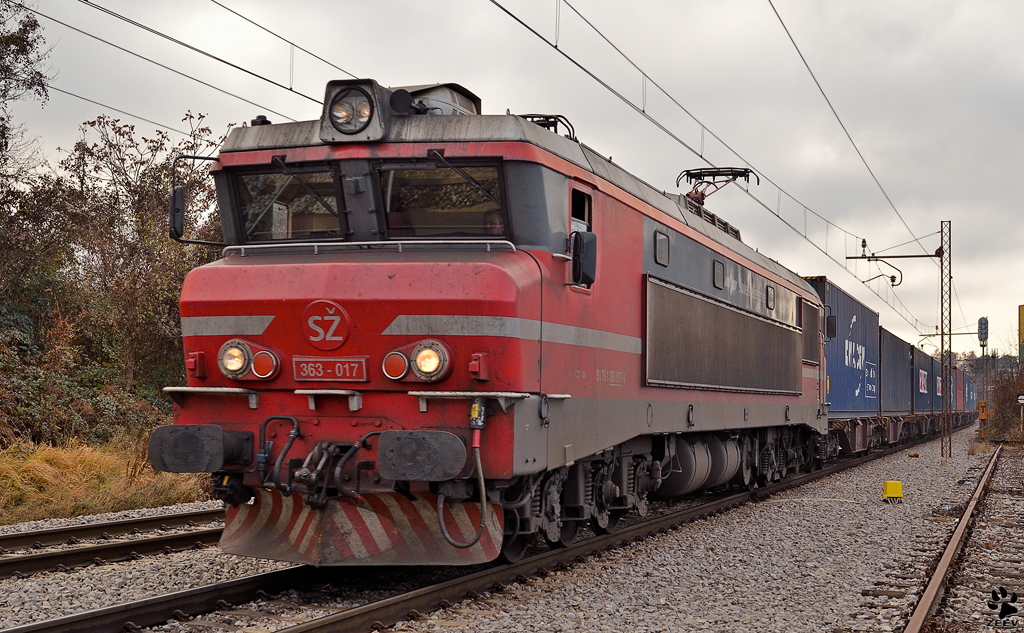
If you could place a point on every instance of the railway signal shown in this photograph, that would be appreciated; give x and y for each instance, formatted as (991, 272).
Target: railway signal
(1020, 401)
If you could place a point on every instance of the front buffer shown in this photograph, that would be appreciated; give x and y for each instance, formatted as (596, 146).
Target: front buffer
(378, 529)
(290, 516)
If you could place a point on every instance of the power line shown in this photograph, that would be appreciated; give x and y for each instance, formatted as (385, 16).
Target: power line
(856, 149)
(728, 147)
(103, 105)
(845, 131)
(903, 311)
(283, 39)
(194, 49)
(154, 62)
(889, 248)
(654, 83)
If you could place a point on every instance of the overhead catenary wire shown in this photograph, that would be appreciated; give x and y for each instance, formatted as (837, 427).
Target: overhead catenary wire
(154, 62)
(703, 127)
(283, 39)
(889, 248)
(860, 155)
(902, 311)
(845, 131)
(148, 29)
(124, 112)
(915, 323)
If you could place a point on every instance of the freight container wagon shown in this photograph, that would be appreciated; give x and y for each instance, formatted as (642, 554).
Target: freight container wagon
(924, 383)
(896, 374)
(895, 384)
(851, 365)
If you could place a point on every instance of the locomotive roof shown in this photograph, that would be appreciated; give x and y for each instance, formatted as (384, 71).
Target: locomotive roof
(498, 128)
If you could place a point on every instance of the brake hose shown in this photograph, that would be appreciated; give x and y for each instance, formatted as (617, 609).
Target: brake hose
(476, 422)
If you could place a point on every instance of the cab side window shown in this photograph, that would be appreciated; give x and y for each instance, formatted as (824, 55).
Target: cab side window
(581, 212)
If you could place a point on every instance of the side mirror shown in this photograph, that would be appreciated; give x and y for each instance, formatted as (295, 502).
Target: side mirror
(176, 212)
(584, 257)
(176, 208)
(830, 326)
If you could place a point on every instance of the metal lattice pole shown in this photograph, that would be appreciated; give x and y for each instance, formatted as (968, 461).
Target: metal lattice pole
(946, 345)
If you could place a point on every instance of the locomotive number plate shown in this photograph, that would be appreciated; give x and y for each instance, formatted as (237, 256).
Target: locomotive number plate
(349, 369)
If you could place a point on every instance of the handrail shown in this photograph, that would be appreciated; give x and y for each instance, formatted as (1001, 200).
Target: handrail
(383, 244)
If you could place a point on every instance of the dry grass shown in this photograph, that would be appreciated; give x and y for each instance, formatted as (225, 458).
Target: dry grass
(42, 481)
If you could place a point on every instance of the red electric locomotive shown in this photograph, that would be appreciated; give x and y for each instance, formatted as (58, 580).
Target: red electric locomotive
(435, 335)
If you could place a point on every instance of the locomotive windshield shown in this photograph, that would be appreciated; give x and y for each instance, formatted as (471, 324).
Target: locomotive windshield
(403, 200)
(287, 206)
(428, 201)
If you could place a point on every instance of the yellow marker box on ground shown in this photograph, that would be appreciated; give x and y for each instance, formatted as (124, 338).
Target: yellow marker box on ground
(892, 490)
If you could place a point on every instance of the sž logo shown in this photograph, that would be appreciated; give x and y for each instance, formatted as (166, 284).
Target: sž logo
(325, 324)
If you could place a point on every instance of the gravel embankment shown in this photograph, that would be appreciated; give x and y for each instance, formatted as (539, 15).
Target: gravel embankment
(49, 524)
(52, 595)
(796, 562)
(993, 557)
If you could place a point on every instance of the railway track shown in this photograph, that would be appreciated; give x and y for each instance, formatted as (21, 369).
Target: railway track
(936, 587)
(976, 582)
(381, 613)
(63, 549)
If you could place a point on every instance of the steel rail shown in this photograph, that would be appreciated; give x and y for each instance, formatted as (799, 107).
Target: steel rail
(153, 611)
(57, 536)
(126, 549)
(930, 597)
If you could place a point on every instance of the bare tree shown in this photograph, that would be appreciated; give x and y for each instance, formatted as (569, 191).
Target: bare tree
(23, 54)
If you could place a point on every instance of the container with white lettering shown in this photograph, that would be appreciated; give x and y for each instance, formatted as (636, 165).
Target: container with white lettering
(852, 356)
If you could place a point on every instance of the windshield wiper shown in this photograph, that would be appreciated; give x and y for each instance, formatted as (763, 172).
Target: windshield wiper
(466, 177)
(327, 207)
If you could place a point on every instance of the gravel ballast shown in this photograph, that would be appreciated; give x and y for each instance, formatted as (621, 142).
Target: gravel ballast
(89, 519)
(799, 561)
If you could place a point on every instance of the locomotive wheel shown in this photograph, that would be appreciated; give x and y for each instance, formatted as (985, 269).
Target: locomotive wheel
(609, 525)
(569, 530)
(512, 550)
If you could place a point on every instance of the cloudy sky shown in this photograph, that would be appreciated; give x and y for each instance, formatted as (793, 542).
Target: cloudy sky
(932, 93)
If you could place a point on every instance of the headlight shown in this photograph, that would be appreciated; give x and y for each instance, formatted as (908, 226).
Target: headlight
(430, 361)
(234, 359)
(351, 111)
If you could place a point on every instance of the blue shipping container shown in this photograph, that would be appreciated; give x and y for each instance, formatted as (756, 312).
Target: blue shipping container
(896, 379)
(955, 388)
(852, 356)
(924, 383)
(937, 385)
